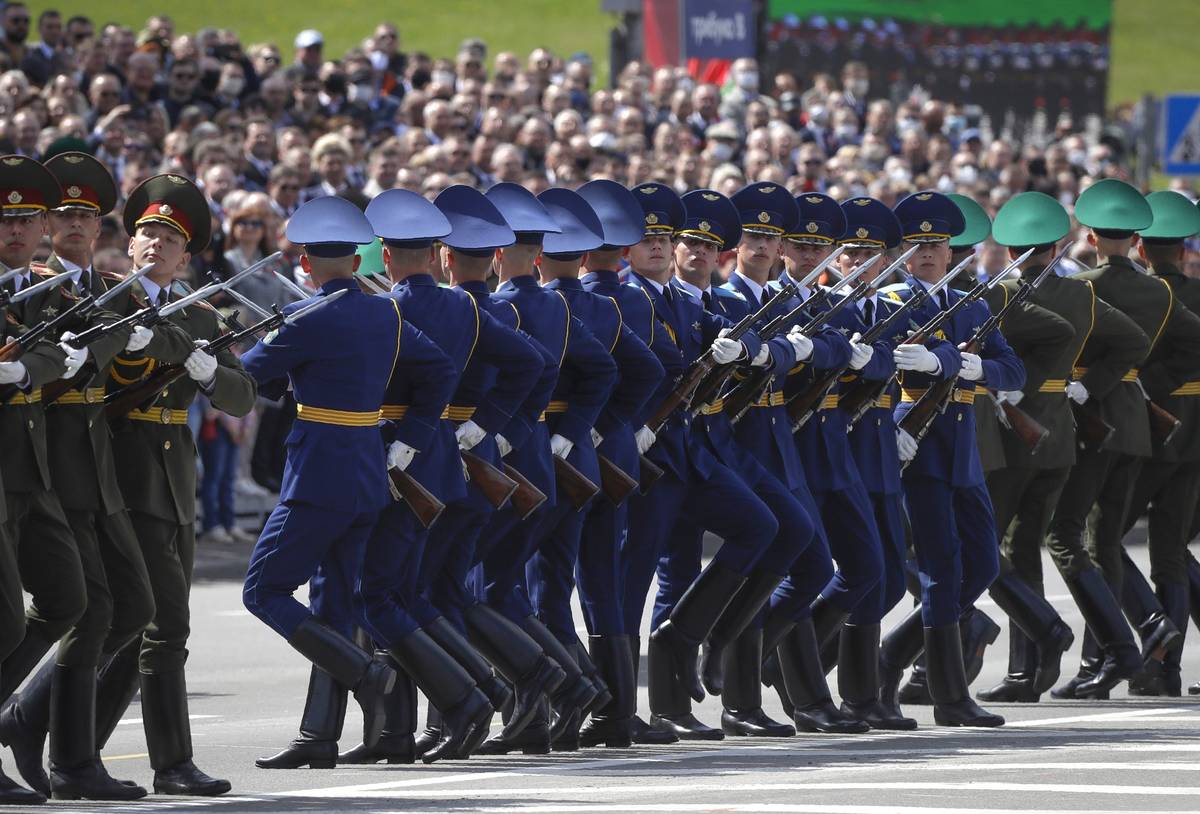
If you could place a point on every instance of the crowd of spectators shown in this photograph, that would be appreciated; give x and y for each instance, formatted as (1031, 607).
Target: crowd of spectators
(263, 127)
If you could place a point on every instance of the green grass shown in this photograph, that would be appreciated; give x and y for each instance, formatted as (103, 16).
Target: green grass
(1154, 42)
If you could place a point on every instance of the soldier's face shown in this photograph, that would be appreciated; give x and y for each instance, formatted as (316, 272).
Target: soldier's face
(930, 261)
(161, 245)
(804, 257)
(651, 257)
(853, 258)
(695, 256)
(74, 231)
(19, 238)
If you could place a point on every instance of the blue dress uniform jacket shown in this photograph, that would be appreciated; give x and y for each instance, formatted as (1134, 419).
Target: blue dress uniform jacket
(873, 437)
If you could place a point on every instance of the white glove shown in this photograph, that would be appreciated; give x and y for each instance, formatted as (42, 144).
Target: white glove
(972, 366)
(906, 445)
(597, 438)
(201, 366)
(503, 445)
(860, 354)
(802, 346)
(139, 339)
(763, 358)
(1013, 397)
(645, 439)
(75, 358)
(469, 434)
(726, 351)
(400, 455)
(561, 446)
(916, 357)
(12, 372)
(1076, 392)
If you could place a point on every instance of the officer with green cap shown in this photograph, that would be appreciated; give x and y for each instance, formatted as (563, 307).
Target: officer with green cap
(1026, 489)
(1114, 213)
(1169, 484)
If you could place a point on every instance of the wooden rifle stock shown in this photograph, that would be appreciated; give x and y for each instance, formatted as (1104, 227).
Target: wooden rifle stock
(527, 498)
(575, 486)
(616, 483)
(1163, 425)
(1025, 426)
(1091, 430)
(651, 472)
(496, 486)
(424, 504)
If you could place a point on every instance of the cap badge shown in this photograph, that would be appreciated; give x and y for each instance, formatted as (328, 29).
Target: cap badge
(649, 190)
(862, 201)
(704, 226)
(926, 226)
(14, 197)
(13, 161)
(651, 218)
(767, 190)
(924, 196)
(764, 217)
(812, 227)
(73, 159)
(708, 196)
(814, 199)
(74, 191)
(165, 209)
(862, 232)
(177, 179)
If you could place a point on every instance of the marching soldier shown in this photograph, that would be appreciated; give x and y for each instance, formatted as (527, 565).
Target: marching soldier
(1169, 482)
(119, 601)
(48, 565)
(1114, 212)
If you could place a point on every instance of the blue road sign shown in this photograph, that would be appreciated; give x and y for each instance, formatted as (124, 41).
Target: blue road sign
(1181, 135)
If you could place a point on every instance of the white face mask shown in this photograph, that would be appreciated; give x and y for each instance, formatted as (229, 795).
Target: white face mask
(818, 115)
(720, 151)
(904, 125)
(967, 175)
(442, 78)
(845, 132)
(231, 87)
(747, 80)
(1077, 157)
(363, 93)
(858, 87)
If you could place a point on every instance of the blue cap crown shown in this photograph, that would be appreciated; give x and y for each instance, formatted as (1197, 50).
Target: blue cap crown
(580, 228)
(619, 212)
(525, 215)
(662, 210)
(869, 224)
(929, 217)
(329, 227)
(403, 218)
(766, 208)
(476, 225)
(821, 219)
(709, 215)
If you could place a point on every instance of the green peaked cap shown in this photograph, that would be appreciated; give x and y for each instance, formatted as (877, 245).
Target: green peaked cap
(1175, 217)
(1031, 219)
(979, 225)
(372, 258)
(1113, 205)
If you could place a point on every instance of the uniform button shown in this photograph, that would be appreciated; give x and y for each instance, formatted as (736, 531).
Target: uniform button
(960, 416)
(879, 422)
(166, 444)
(165, 394)
(822, 419)
(772, 420)
(31, 423)
(90, 423)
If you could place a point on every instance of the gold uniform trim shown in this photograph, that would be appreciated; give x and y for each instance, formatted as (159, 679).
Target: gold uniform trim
(1054, 386)
(713, 407)
(773, 399)
(163, 415)
(1187, 389)
(93, 395)
(33, 397)
(958, 396)
(556, 407)
(884, 401)
(1130, 376)
(830, 402)
(341, 418)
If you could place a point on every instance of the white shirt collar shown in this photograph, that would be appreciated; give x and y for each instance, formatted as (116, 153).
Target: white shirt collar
(754, 287)
(657, 286)
(73, 270)
(802, 292)
(151, 288)
(695, 291)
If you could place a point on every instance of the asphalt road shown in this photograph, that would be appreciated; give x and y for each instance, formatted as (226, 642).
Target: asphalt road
(247, 686)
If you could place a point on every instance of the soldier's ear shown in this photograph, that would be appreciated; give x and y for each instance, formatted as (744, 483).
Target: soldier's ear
(1141, 247)
(1091, 238)
(358, 261)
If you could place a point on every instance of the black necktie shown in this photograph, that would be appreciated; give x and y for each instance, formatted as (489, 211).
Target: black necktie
(708, 301)
(943, 300)
(869, 312)
(162, 297)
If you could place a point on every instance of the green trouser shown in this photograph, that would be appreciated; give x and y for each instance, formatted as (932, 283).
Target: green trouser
(1024, 501)
(1066, 538)
(169, 549)
(1167, 492)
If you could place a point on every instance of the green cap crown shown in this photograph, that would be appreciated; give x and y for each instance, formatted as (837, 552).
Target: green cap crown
(372, 258)
(1113, 205)
(1031, 219)
(1175, 217)
(979, 225)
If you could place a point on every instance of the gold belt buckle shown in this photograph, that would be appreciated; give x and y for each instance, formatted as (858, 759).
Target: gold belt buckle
(165, 415)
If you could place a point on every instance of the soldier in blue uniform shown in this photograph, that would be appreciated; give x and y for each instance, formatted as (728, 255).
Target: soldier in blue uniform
(586, 364)
(953, 527)
(335, 483)
(694, 484)
(552, 569)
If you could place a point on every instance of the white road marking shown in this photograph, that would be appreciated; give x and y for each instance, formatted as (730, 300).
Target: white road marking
(1101, 716)
(131, 721)
(772, 808)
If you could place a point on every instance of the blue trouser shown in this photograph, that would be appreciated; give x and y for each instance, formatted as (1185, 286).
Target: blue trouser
(448, 557)
(889, 519)
(388, 587)
(220, 457)
(849, 522)
(500, 581)
(721, 503)
(809, 572)
(600, 568)
(796, 539)
(299, 543)
(954, 536)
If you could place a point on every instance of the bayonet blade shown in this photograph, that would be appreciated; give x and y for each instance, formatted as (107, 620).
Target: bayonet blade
(320, 302)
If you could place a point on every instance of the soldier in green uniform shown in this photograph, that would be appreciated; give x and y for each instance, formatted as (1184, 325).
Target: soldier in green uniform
(1114, 212)
(1168, 486)
(46, 564)
(156, 467)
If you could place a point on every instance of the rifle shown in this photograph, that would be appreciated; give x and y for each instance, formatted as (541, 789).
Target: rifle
(424, 504)
(917, 421)
(616, 483)
(1163, 425)
(1026, 427)
(575, 486)
(528, 498)
(496, 486)
(1091, 430)
(651, 472)
(5, 295)
(131, 397)
(859, 396)
(16, 346)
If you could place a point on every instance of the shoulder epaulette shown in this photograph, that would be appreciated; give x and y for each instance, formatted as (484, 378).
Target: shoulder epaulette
(727, 290)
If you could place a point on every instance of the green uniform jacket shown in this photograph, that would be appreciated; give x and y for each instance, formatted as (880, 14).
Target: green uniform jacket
(1184, 403)
(156, 462)
(1174, 356)
(1036, 335)
(81, 457)
(1105, 340)
(25, 462)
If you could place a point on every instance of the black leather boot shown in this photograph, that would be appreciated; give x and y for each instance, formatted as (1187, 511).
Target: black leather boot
(396, 744)
(1017, 685)
(1039, 621)
(858, 679)
(897, 650)
(116, 685)
(976, 631)
(24, 724)
(812, 707)
(1105, 621)
(827, 620)
(611, 725)
(371, 679)
(1193, 578)
(736, 617)
(691, 620)
(12, 794)
(670, 704)
(320, 727)
(169, 738)
(742, 697)
(584, 660)
(575, 693)
(431, 735)
(22, 661)
(76, 772)
(466, 713)
(640, 731)
(916, 689)
(519, 659)
(1090, 661)
(533, 739)
(952, 703)
(1155, 628)
(1164, 678)
(477, 667)
(567, 737)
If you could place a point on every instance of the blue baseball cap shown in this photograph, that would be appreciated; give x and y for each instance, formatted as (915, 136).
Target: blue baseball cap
(580, 228)
(406, 220)
(476, 226)
(329, 227)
